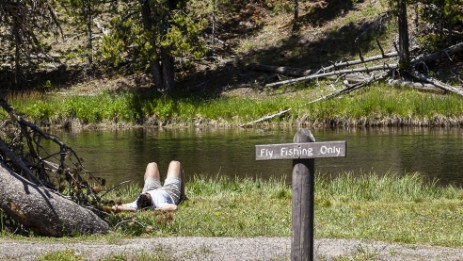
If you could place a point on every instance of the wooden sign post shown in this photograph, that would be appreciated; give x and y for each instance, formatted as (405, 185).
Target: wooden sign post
(302, 151)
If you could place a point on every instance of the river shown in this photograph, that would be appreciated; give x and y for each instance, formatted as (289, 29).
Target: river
(122, 155)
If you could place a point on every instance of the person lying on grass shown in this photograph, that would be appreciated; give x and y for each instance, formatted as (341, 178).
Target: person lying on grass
(155, 196)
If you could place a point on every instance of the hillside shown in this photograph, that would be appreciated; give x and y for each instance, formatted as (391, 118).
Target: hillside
(255, 32)
(243, 40)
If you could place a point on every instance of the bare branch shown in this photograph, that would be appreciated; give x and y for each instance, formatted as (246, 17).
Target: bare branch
(320, 75)
(266, 118)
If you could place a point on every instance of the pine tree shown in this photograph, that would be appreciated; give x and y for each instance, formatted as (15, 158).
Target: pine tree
(151, 33)
(24, 24)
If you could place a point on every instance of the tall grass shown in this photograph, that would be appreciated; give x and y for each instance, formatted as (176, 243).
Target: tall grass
(387, 188)
(375, 105)
(391, 207)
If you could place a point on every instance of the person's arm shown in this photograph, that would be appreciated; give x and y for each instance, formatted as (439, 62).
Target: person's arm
(168, 207)
(125, 207)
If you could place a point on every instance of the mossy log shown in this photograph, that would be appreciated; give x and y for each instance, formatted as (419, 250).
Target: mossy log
(44, 211)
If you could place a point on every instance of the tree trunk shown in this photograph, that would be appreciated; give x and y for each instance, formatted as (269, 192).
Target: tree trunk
(167, 69)
(296, 16)
(404, 52)
(168, 73)
(43, 211)
(89, 32)
(154, 62)
(17, 65)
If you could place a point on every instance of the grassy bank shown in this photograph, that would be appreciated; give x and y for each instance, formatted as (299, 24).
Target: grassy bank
(388, 208)
(391, 208)
(378, 105)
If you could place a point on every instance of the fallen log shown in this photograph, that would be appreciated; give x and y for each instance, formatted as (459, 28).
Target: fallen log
(350, 88)
(43, 211)
(420, 86)
(444, 86)
(320, 75)
(29, 192)
(289, 71)
(297, 72)
(440, 54)
(323, 71)
(359, 61)
(266, 118)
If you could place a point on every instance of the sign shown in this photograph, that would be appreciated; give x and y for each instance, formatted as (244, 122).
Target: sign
(303, 184)
(306, 150)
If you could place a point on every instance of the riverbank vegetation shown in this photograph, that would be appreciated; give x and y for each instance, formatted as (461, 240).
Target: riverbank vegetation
(379, 105)
(348, 206)
(227, 87)
(391, 207)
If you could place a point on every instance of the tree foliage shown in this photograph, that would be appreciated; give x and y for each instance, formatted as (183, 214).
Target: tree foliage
(84, 12)
(23, 26)
(156, 35)
(152, 33)
(442, 22)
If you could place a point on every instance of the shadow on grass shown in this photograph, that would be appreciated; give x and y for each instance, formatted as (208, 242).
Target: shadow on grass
(298, 50)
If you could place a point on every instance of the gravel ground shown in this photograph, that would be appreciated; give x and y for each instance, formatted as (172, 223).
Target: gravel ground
(260, 248)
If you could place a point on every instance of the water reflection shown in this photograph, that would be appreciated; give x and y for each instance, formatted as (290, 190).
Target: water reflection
(122, 155)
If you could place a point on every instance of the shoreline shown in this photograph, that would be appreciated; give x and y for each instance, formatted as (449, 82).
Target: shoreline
(339, 123)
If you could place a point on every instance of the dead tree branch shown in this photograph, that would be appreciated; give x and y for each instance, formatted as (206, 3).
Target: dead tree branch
(295, 72)
(320, 75)
(420, 86)
(440, 54)
(49, 198)
(444, 86)
(359, 61)
(351, 88)
(266, 118)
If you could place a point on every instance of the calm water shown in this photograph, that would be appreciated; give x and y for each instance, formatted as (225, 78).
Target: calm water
(122, 155)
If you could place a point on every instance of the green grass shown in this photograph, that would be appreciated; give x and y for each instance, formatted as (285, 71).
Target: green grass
(376, 105)
(391, 208)
(69, 255)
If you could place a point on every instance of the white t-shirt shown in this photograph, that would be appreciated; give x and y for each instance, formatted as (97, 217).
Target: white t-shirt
(159, 197)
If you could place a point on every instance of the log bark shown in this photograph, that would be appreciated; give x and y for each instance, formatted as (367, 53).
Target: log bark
(43, 211)
(297, 72)
(440, 54)
(303, 197)
(266, 118)
(289, 71)
(350, 88)
(445, 87)
(320, 75)
(420, 86)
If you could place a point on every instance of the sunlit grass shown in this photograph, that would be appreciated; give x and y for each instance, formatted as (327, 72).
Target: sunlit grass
(376, 105)
(390, 207)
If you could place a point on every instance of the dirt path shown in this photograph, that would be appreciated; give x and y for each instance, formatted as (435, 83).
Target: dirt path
(261, 248)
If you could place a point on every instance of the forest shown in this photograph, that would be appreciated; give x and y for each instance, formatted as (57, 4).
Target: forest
(50, 42)
(191, 48)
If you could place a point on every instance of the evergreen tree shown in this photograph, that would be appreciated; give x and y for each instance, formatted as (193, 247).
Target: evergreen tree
(82, 13)
(151, 33)
(442, 22)
(23, 26)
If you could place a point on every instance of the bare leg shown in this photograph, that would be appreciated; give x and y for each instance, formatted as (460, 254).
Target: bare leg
(175, 170)
(152, 171)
